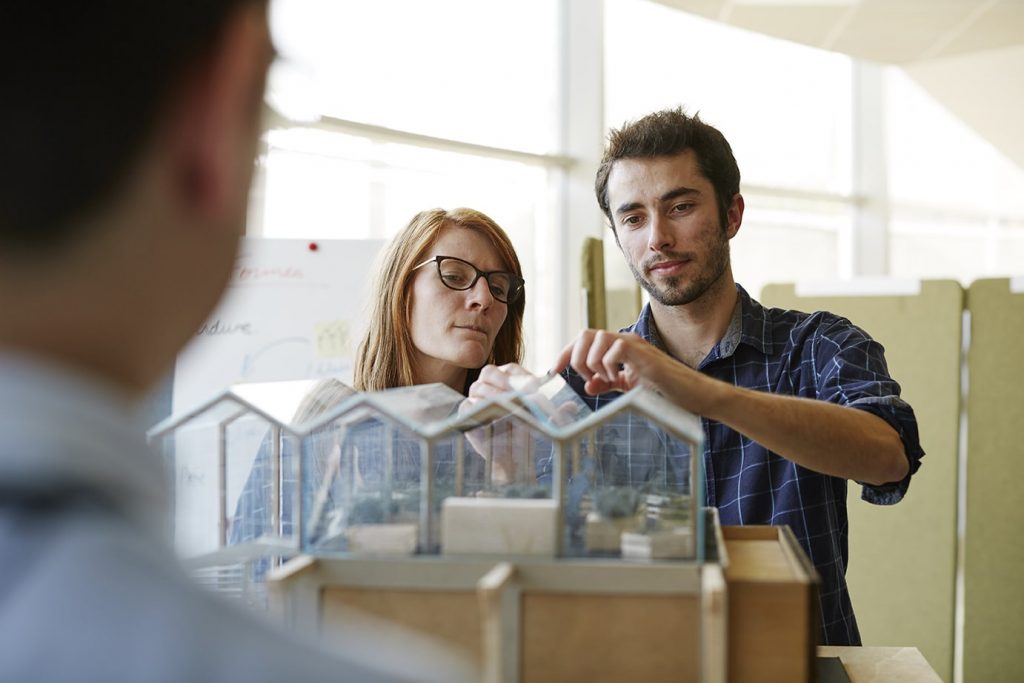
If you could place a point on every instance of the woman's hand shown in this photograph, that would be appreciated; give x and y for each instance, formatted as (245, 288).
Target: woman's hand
(504, 442)
(493, 381)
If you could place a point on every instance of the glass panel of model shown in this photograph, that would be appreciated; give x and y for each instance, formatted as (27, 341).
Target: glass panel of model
(376, 469)
(530, 473)
(233, 465)
(210, 454)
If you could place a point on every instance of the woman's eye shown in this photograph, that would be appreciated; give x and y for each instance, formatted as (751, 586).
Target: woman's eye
(497, 291)
(454, 278)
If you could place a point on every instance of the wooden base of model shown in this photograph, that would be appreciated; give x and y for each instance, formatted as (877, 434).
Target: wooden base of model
(746, 616)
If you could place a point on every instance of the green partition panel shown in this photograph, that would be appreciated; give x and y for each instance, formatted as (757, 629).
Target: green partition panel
(592, 276)
(605, 306)
(994, 553)
(902, 571)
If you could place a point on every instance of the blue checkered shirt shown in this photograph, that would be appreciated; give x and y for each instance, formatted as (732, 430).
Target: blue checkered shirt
(813, 355)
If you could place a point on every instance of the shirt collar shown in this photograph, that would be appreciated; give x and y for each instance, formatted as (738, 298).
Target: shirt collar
(749, 325)
(63, 431)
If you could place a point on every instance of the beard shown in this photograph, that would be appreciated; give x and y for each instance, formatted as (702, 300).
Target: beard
(677, 291)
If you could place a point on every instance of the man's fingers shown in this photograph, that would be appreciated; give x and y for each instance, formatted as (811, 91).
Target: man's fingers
(573, 354)
(608, 353)
(616, 356)
(564, 356)
(597, 386)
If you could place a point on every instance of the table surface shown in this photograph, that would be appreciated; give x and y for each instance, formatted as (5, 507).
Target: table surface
(883, 664)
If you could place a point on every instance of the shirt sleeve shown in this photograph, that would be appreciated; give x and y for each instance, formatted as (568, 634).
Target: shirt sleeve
(851, 371)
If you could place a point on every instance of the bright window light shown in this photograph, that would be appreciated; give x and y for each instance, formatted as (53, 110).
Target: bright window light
(479, 71)
(785, 108)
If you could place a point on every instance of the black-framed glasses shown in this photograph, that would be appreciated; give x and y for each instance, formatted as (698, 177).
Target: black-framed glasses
(462, 275)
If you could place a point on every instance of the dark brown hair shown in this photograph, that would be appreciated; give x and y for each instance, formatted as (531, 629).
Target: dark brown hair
(82, 86)
(666, 133)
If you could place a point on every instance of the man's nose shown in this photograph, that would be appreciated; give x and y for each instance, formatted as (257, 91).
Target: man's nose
(660, 236)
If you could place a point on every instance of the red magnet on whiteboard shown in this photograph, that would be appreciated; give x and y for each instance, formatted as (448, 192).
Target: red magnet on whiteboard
(313, 246)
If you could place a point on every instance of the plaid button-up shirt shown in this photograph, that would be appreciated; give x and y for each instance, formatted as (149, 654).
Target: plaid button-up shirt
(812, 355)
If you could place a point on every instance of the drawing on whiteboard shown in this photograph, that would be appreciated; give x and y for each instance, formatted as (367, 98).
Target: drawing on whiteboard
(217, 326)
(332, 339)
(289, 313)
(289, 355)
(246, 273)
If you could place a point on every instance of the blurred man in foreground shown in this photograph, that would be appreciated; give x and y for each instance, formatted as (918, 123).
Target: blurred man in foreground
(128, 131)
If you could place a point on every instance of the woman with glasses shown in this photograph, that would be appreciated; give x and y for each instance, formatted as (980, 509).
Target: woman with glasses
(449, 299)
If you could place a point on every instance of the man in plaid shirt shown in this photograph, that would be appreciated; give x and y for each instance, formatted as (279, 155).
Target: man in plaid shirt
(793, 404)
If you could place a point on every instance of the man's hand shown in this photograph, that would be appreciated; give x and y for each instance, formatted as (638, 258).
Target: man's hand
(821, 436)
(614, 361)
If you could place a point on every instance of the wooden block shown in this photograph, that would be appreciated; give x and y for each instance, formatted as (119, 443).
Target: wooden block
(662, 544)
(508, 526)
(387, 539)
(772, 600)
(602, 534)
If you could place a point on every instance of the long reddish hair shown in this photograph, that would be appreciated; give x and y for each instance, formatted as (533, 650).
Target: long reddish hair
(385, 356)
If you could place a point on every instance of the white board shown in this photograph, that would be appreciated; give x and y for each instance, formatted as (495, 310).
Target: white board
(294, 309)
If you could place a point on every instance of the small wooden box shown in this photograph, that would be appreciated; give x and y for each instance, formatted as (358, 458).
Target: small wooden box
(499, 526)
(773, 605)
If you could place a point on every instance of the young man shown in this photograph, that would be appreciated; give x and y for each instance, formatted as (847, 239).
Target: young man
(793, 404)
(128, 131)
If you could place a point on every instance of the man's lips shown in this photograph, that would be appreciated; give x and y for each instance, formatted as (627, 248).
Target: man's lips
(670, 267)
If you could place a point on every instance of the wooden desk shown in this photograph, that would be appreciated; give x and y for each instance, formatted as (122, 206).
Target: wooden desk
(883, 664)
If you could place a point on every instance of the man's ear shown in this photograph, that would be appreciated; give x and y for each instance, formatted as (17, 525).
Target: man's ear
(734, 216)
(218, 119)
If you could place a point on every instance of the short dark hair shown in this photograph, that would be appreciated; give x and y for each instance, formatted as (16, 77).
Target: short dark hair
(666, 133)
(83, 84)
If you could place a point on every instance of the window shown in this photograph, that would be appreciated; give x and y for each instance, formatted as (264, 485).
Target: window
(957, 204)
(439, 105)
(785, 109)
(455, 69)
(473, 102)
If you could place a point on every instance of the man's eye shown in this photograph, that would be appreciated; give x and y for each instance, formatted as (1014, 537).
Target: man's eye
(631, 220)
(682, 207)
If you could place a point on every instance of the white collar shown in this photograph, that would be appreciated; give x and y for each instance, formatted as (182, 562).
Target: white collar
(60, 429)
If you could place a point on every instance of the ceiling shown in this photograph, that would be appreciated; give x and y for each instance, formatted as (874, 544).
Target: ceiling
(968, 54)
